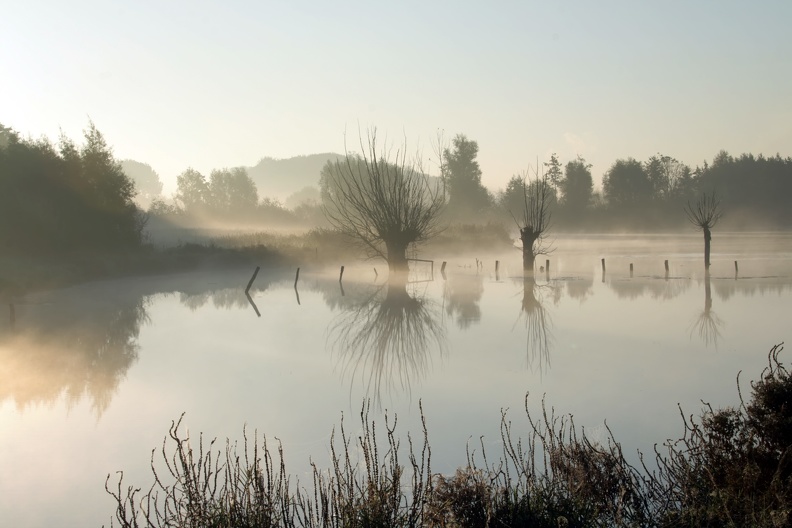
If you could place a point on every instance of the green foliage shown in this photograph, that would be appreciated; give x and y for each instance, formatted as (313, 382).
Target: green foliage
(577, 186)
(467, 197)
(72, 198)
(627, 185)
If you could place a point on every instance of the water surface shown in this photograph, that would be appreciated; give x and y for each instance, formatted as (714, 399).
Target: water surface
(91, 376)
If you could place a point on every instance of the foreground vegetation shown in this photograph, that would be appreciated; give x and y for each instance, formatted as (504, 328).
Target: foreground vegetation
(731, 467)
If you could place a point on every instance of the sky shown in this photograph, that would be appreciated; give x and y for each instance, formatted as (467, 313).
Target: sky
(200, 84)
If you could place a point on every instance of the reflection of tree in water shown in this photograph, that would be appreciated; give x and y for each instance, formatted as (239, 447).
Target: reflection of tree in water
(707, 325)
(580, 288)
(463, 293)
(385, 337)
(537, 323)
(72, 350)
(658, 289)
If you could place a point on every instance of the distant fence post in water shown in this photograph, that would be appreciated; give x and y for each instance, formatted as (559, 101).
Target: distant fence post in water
(547, 269)
(250, 282)
(631, 270)
(603, 269)
(736, 269)
(296, 278)
(341, 275)
(666, 269)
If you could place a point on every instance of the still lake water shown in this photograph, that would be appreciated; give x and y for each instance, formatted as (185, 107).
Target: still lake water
(92, 376)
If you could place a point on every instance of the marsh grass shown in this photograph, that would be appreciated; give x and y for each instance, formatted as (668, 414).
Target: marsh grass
(732, 467)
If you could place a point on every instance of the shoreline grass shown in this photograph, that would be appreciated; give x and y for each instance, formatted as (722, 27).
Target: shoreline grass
(731, 467)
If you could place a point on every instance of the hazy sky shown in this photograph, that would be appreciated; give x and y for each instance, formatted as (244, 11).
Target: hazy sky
(215, 84)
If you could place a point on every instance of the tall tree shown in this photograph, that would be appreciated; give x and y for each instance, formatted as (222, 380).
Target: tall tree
(192, 191)
(232, 192)
(147, 182)
(385, 204)
(555, 175)
(462, 174)
(577, 186)
(626, 185)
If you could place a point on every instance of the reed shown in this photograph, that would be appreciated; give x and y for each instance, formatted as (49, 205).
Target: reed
(731, 467)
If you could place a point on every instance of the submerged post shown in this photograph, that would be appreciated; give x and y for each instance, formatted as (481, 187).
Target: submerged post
(442, 268)
(296, 278)
(666, 269)
(603, 265)
(547, 269)
(736, 269)
(341, 275)
(250, 283)
(631, 270)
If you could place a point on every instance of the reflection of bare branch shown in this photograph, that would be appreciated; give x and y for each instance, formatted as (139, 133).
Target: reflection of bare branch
(386, 337)
(538, 324)
(707, 324)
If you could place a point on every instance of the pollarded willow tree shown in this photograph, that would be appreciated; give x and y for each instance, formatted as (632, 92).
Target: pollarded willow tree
(533, 218)
(704, 214)
(384, 202)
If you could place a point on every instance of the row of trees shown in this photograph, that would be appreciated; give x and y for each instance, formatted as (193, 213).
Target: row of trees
(64, 197)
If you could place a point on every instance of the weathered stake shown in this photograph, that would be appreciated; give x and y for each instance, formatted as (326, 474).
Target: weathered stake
(341, 275)
(736, 269)
(631, 270)
(250, 283)
(296, 278)
(442, 268)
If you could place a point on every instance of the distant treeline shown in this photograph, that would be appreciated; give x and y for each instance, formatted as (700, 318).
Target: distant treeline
(754, 192)
(65, 197)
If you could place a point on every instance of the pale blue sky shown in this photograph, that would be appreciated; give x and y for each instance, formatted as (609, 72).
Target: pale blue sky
(214, 84)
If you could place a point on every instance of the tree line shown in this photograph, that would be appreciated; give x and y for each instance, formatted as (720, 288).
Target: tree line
(64, 197)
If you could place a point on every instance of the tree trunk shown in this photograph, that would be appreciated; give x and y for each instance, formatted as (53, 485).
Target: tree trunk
(528, 238)
(397, 256)
(707, 238)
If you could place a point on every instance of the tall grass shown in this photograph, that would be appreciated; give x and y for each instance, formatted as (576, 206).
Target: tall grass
(731, 467)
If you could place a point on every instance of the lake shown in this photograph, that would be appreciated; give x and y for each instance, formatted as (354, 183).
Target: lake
(91, 376)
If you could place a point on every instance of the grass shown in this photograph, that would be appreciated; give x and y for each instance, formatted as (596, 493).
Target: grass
(731, 467)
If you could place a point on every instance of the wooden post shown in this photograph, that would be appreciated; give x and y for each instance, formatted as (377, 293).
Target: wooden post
(547, 270)
(250, 283)
(341, 275)
(497, 264)
(631, 270)
(442, 268)
(666, 269)
(296, 278)
(736, 269)
(603, 265)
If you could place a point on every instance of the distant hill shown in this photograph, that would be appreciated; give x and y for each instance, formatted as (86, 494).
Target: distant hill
(279, 178)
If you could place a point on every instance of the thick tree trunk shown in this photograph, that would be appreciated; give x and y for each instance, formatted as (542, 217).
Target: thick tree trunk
(528, 238)
(397, 256)
(707, 239)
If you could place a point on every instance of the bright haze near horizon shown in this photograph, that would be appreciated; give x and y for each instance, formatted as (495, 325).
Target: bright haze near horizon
(211, 85)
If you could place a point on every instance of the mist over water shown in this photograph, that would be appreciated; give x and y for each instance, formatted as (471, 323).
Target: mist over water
(93, 375)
